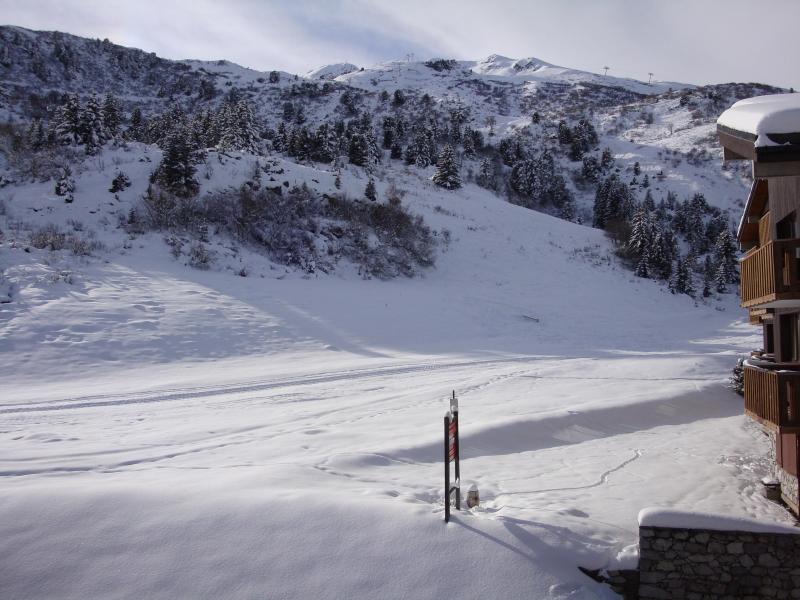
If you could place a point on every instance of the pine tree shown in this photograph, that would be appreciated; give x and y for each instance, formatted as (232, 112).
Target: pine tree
(486, 177)
(469, 143)
(682, 279)
(120, 182)
(93, 131)
(642, 232)
(606, 160)
(564, 133)
(358, 150)
(238, 129)
(643, 267)
(112, 114)
(658, 260)
(370, 192)
(708, 276)
(614, 202)
(396, 153)
(67, 123)
(65, 184)
(281, 140)
(725, 258)
(447, 175)
(567, 210)
(176, 171)
(136, 129)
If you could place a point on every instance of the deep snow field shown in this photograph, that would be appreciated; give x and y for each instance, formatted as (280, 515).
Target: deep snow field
(167, 432)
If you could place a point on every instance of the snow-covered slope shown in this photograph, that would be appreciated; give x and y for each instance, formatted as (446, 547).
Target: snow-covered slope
(169, 432)
(258, 430)
(331, 71)
(492, 68)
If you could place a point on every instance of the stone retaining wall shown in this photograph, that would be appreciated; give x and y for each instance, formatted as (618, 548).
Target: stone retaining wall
(699, 564)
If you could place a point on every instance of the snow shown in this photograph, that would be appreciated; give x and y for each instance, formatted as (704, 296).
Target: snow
(687, 519)
(168, 432)
(764, 115)
(627, 559)
(331, 71)
(494, 68)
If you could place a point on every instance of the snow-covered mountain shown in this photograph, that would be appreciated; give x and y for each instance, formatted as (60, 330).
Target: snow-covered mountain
(226, 377)
(492, 68)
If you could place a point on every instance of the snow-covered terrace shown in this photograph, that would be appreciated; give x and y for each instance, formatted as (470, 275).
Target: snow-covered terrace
(765, 130)
(772, 120)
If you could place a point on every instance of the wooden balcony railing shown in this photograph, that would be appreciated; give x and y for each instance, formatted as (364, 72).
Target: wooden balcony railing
(772, 396)
(770, 273)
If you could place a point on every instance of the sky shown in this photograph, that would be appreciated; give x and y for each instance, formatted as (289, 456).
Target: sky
(691, 41)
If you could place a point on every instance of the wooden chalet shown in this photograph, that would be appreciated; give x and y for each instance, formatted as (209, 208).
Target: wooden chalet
(766, 131)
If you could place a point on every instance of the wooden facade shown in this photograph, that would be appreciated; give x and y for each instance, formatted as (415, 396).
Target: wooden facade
(769, 234)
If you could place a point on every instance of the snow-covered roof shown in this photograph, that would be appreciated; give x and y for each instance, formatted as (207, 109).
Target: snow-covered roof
(680, 519)
(764, 117)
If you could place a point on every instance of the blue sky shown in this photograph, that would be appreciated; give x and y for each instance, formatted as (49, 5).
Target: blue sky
(696, 41)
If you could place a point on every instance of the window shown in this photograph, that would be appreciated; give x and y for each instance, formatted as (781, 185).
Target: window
(769, 338)
(790, 352)
(786, 228)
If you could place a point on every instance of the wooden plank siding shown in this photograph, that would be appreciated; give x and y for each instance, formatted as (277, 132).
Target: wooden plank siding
(764, 229)
(786, 452)
(770, 273)
(772, 397)
(784, 196)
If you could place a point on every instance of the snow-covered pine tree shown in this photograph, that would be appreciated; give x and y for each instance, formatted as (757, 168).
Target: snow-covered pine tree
(725, 259)
(447, 175)
(176, 170)
(567, 210)
(564, 133)
(396, 152)
(65, 184)
(642, 232)
(643, 267)
(614, 203)
(681, 279)
(67, 122)
(486, 176)
(469, 143)
(93, 131)
(370, 193)
(280, 142)
(120, 182)
(137, 126)
(606, 159)
(112, 114)
(358, 150)
(238, 128)
(658, 258)
(708, 276)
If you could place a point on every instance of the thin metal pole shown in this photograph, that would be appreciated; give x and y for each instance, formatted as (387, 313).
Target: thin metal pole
(458, 460)
(446, 472)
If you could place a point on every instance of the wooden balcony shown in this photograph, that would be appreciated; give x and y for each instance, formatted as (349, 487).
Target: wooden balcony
(769, 273)
(772, 396)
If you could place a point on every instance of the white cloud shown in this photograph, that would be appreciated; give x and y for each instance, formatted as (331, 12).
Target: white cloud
(683, 40)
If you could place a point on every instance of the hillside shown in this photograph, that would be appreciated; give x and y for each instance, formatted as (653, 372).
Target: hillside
(230, 382)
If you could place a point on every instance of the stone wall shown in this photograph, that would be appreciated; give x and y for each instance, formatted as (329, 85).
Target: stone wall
(789, 482)
(699, 564)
